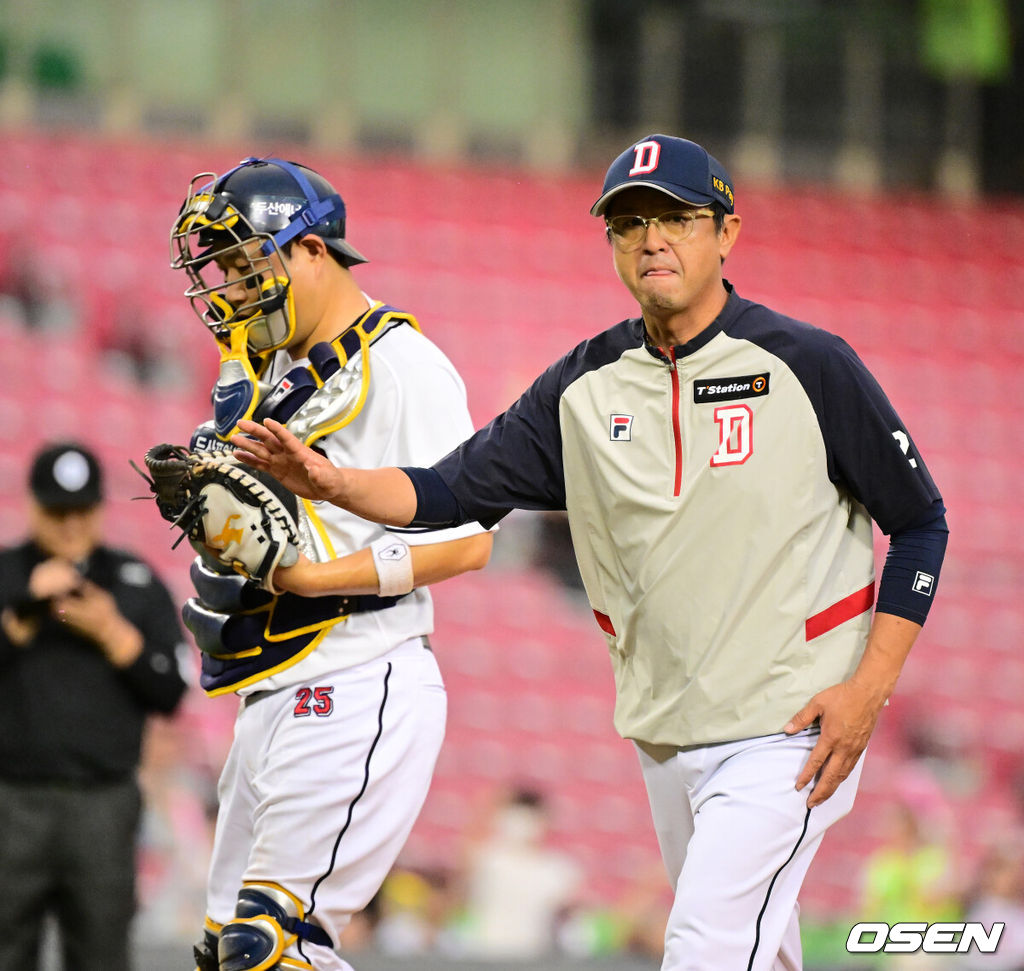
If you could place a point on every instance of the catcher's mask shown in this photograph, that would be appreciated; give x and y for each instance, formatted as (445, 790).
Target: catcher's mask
(243, 219)
(229, 237)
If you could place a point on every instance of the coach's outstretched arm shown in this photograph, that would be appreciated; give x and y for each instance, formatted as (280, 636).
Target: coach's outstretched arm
(380, 495)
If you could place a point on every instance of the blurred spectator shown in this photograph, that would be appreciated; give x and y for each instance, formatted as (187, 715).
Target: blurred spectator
(911, 877)
(635, 924)
(359, 934)
(998, 895)
(516, 888)
(37, 291)
(87, 650)
(644, 908)
(415, 913)
(144, 345)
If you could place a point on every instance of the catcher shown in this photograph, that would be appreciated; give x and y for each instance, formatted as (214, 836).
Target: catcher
(317, 619)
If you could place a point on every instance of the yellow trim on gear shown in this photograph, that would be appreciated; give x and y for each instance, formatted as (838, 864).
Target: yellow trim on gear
(290, 938)
(300, 907)
(386, 320)
(267, 672)
(238, 350)
(365, 337)
(279, 944)
(318, 525)
(196, 216)
(322, 626)
(295, 631)
(211, 925)
(364, 387)
(237, 655)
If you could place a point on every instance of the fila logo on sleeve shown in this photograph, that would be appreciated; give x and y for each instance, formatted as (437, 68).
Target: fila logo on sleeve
(620, 428)
(923, 583)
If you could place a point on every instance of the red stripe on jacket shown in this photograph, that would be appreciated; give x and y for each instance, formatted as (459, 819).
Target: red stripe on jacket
(840, 612)
(604, 622)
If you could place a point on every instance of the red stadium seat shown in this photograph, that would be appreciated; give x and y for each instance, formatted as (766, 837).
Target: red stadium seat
(507, 271)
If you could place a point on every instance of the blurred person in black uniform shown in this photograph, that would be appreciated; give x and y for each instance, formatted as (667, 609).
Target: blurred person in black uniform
(89, 643)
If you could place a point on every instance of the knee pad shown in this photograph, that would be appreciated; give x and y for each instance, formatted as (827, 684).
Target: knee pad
(267, 920)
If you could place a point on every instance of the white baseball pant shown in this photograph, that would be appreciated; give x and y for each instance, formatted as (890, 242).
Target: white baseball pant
(737, 840)
(321, 804)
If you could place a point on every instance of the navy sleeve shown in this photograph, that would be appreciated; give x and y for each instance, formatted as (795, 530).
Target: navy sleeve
(436, 507)
(911, 571)
(515, 462)
(870, 451)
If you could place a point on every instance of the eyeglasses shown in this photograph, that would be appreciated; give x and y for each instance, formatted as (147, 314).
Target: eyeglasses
(629, 232)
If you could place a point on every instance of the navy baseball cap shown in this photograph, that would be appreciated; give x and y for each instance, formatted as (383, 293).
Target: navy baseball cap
(675, 166)
(66, 476)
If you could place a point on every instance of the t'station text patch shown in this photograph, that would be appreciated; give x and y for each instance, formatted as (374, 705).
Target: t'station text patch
(730, 389)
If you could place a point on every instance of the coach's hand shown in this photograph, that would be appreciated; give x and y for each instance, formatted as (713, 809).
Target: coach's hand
(848, 712)
(275, 450)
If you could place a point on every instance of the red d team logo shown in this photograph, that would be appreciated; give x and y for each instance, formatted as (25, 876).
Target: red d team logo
(735, 435)
(645, 158)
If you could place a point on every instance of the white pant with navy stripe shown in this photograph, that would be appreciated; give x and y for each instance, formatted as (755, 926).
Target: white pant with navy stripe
(322, 786)
(737, 840)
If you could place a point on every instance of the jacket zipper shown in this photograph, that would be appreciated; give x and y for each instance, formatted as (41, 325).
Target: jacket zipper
(677, 435)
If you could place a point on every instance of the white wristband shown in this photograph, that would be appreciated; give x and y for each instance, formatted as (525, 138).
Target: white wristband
(393, 562)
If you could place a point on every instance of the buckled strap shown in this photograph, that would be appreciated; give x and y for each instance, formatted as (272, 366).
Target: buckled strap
(219, 631)
(372, 325)
(307, 931)
(362, 603)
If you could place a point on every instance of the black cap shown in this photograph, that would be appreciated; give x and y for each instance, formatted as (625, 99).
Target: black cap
(66, 476)
(676, 166)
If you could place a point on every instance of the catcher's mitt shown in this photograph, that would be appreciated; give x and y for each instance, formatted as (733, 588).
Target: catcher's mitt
(246, 521)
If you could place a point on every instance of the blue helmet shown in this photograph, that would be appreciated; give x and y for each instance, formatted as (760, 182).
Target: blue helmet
(269, 201)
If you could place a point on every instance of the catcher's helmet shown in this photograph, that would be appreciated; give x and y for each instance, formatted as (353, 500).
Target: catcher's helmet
(286, 200)
(269, 201)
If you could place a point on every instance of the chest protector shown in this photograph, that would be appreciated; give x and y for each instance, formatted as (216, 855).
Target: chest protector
(244, 633)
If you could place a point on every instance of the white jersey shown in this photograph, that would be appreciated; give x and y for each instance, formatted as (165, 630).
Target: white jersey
(415, 412)
(344, 707)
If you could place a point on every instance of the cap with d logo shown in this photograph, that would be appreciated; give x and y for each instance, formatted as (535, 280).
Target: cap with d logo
(675, 166)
